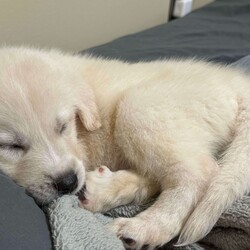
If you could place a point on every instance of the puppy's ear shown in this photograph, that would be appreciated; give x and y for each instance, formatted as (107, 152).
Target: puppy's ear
(87, 110)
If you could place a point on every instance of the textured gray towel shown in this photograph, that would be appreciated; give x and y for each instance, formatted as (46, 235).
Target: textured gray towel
(232, 231)
(74, 228)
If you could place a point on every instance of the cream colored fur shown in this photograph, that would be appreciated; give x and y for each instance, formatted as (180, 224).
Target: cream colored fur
(178, 128)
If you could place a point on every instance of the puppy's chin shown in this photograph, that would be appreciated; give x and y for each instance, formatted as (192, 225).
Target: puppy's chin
(43, 194)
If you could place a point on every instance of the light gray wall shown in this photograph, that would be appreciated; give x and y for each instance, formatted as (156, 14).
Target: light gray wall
(76, 24)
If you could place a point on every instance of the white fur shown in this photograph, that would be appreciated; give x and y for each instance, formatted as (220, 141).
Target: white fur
(178, 128)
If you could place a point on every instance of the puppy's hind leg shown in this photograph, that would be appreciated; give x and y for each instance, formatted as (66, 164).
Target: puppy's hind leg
(146, 138)
(230, 184)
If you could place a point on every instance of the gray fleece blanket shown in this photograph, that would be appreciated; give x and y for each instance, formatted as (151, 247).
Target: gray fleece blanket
(74, 228)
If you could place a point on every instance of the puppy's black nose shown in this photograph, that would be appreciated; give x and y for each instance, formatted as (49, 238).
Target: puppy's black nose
(66, 183)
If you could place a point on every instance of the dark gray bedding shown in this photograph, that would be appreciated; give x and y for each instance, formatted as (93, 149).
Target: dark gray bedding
(218, 32)
(23, 224)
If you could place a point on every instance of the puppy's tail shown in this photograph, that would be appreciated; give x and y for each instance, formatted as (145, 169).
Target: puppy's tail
(231, 183)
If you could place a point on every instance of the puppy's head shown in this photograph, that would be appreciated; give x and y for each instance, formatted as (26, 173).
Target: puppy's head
(40, 101)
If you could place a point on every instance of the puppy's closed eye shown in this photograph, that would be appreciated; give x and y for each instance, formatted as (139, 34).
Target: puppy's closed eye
(12, 150)
(63, 128)
(62, 123)
(12, 146)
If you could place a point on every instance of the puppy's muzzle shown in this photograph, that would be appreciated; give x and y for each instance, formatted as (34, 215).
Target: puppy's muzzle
(66, 183)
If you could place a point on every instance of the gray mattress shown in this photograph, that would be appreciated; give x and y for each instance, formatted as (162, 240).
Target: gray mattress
(218, 32)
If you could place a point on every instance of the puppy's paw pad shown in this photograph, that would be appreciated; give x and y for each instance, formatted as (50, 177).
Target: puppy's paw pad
(101, 169)
(104, 171)
(138, 232)
(129, 242)
(130, 232)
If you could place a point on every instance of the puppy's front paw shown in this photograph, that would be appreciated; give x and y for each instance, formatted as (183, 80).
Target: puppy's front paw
(98, 190)
(106, 189)
(137, 232)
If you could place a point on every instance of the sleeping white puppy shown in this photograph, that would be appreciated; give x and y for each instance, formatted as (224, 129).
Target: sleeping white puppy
(177, 128)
